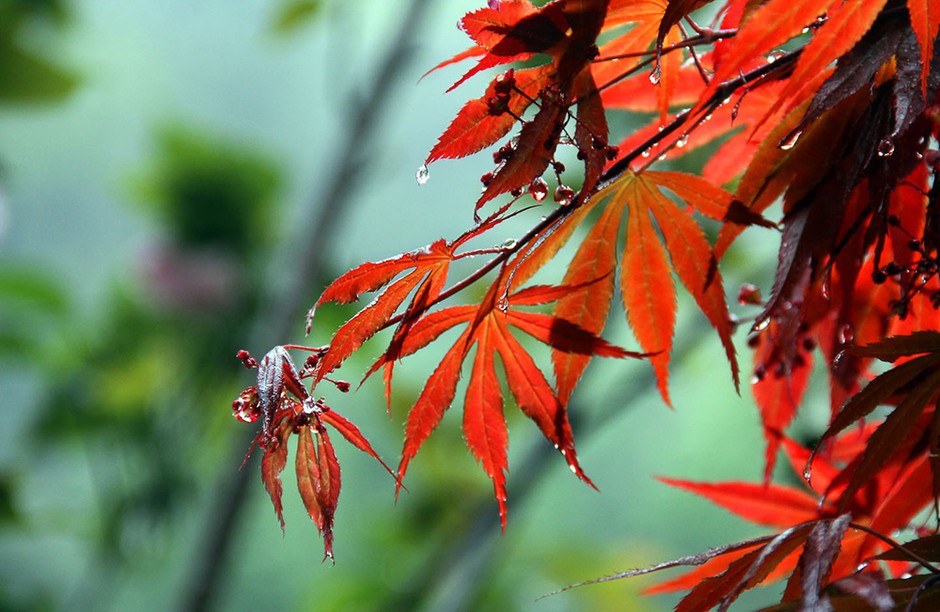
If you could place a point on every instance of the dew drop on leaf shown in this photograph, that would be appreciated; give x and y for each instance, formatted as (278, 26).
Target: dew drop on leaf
(563, 195)
(846, 334)
(807, 472)
(503, 303)
(774, 55)
(645, 153)
(509, 244)
(655, 76)
(683, 140)
(538, 189)
(423, 174)
(886, 147)
(790, 141)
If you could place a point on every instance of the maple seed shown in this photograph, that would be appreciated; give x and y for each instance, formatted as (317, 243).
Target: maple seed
(538, 189)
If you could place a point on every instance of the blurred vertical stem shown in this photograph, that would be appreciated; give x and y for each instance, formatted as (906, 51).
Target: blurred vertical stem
(275, 319)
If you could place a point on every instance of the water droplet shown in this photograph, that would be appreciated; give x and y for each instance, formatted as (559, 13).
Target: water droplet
(707, 118)
(538, 189)
(886, 147)
(774, 55)
(820, 20)
(790, 141)
(662, 157)
(654, 76)
(861, 566)
(510, 244)
(807, 472)
(846, 334)
(423, 174)
(503, 303)
(683, 140)
(645, 153)
(563, 195)
(661, 128)
(805, 30)
(573, 469)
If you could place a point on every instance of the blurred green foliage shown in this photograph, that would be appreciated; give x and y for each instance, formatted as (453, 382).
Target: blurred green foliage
(26, 75)
(211, 193)
(293, 15)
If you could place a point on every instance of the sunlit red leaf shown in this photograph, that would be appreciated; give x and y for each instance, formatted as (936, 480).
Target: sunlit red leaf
(696, 266)
(774, 505)
(535, 397)
(483, 423)
(649, 296)
(925, 20)
(437, 396)
(594, 264)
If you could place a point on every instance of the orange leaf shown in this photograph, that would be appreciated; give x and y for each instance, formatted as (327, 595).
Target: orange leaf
(649, 295)
(594, 264)
(695, 264)
(428, 410)
(483, 423)
(535, 396)
(925, 21)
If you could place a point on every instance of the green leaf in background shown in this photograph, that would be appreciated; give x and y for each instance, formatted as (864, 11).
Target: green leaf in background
(293, 15)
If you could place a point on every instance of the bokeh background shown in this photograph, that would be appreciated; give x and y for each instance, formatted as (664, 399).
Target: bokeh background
(179, 180)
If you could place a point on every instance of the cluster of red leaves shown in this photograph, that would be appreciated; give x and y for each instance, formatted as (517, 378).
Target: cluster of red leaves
(827, 107)
(281, 400)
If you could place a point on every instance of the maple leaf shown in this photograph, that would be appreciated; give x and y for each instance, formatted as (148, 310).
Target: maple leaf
(646, 275)
(489, 331)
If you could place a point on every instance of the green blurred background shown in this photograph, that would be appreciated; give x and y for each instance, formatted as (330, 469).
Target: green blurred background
(178, 180)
